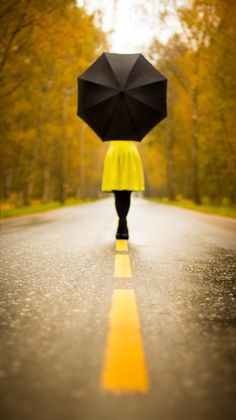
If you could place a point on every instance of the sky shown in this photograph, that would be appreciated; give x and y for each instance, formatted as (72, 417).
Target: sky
(134, 23)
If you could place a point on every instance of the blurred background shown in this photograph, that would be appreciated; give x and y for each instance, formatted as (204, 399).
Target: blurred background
(48, 155)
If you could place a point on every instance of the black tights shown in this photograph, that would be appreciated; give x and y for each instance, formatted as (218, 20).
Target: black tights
(122, 203)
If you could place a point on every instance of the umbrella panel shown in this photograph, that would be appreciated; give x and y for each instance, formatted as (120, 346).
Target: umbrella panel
(100, 73)
(121, 66)
(149, 116)
(153, 94)
(121, 125)
(142, 74)
(91, 94)
(99, 115)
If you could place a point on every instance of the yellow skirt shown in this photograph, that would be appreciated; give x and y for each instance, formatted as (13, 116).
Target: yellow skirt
(122, 168)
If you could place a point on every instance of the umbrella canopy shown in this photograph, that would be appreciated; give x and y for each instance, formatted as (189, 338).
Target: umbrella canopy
(122, 96)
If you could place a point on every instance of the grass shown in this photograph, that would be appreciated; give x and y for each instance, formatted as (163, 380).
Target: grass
(9, 210)
(229, 211)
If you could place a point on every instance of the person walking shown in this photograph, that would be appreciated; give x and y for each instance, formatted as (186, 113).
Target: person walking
(122, 174)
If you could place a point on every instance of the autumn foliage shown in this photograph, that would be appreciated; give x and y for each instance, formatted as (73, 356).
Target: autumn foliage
(46, 150)
(192, 153)
(48, 153)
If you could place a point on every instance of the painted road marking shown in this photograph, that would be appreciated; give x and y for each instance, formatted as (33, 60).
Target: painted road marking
(124, 369)
(122, 266)
(121, 245)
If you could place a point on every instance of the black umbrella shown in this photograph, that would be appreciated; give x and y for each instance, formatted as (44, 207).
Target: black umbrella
(122, 96)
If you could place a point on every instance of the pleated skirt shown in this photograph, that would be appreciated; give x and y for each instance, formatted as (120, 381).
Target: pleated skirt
(122, 168)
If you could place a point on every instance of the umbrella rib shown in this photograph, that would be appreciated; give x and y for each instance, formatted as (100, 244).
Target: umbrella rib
(151, 82)
(99, 84)
(131, 118)
(106, 129)
(113, 72)
(131, 71)
(143, 103)
(138, 55)
(100, 102)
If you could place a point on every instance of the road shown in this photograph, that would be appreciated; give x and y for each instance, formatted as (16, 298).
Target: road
(59, 284)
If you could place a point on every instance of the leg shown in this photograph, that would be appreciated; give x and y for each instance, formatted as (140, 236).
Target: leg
(122, 203)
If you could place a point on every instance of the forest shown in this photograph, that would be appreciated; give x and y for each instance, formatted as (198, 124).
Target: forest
(192, 154)
(49, 154)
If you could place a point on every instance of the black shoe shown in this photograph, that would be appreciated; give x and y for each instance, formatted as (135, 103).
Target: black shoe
(122, 231)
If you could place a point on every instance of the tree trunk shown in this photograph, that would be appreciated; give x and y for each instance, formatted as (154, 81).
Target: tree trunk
(37, 142)
(64, 151)
(169, 161)
(6, 184)
(45, 189)
(81, 189)
(195, 150)
(32, 168)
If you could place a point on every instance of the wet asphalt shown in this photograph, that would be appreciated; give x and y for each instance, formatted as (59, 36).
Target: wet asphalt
(57, 279)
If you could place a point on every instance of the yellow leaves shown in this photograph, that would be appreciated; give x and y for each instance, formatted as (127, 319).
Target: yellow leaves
(199, 139)
(40, 132)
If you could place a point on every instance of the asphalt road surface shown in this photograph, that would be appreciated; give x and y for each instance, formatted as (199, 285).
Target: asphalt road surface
(68, 311)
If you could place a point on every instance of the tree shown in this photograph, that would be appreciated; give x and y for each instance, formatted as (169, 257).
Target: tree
(40, 131)
(199, 133)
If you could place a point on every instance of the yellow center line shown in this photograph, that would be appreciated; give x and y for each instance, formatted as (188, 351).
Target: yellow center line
(124, 369)
(121, 245)
(122, 266)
